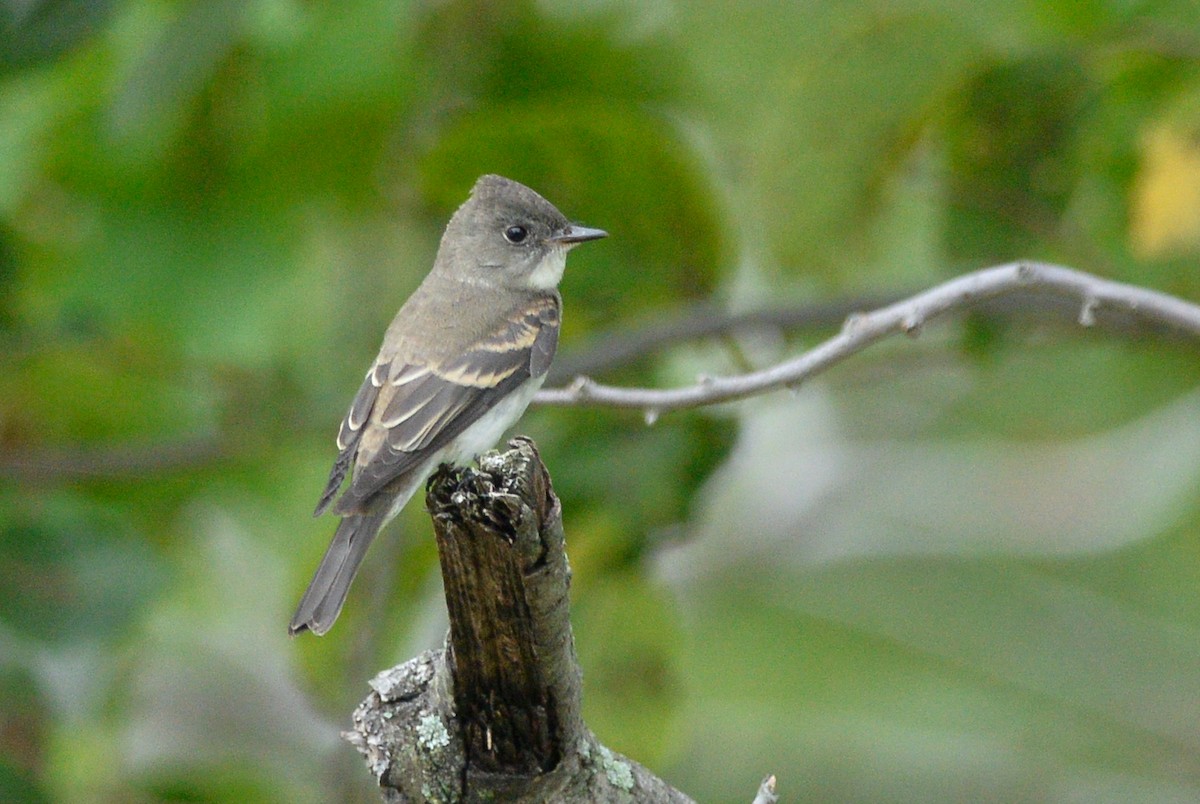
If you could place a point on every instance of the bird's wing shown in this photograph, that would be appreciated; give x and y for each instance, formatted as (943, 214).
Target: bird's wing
(405, 411)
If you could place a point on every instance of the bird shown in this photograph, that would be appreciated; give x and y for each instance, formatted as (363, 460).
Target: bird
(459, 364)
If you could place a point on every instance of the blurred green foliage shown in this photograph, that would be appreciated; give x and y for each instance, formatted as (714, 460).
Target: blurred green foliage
(962, 569)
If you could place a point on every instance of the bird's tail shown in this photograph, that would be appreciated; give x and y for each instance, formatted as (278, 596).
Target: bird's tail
(322, 601)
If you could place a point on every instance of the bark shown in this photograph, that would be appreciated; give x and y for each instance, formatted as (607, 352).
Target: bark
(495, 714)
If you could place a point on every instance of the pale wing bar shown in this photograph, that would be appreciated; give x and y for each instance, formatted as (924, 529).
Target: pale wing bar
(351, 430)
(432, 405)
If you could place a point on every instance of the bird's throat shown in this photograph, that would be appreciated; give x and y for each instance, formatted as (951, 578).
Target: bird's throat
(549, 271)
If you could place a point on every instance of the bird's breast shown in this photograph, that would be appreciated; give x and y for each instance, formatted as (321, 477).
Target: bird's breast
(483, 434)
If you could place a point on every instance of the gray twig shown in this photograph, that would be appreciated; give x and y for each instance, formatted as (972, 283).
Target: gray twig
(766, 792)
(1091, 293)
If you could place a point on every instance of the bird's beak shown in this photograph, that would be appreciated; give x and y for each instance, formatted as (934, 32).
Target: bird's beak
(572, 235)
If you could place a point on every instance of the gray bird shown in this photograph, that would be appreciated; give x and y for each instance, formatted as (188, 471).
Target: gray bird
(458, 366)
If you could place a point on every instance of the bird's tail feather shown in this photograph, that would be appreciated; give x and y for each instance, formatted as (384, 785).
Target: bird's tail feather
(322, 601)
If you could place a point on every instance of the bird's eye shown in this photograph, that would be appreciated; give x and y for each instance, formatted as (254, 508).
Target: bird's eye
(516, 234)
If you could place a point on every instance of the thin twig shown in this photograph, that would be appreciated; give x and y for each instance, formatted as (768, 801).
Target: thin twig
(625, 344)
(621, 347)
(766, 792)
(907, 316)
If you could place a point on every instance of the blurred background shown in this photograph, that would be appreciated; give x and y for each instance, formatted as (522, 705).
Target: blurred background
(964, 567)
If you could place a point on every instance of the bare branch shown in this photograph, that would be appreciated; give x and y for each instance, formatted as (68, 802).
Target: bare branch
(766, 792)
(908, 316)
(620, 347)
(623, 345)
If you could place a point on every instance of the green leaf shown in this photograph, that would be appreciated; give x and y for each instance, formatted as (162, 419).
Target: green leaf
(845, 111)
(37, 31)
(625, 480)
(629, 642)
(23, 714)
(74, 577)
(125, 389)
(173, 71)
(18, 786)
(1011, 149)
(525, 54)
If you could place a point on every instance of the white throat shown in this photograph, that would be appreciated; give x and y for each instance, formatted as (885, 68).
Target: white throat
(549, 271)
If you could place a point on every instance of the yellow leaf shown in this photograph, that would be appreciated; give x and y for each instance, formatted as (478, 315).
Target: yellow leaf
(1165, 214)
